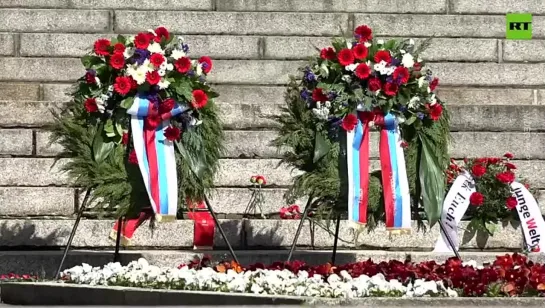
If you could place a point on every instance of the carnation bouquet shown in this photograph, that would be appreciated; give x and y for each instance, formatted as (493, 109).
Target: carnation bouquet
(142, 126)
(353, 86)
(493, 200)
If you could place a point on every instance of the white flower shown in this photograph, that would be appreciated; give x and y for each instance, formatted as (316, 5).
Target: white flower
(348, 44)
(351, 67)
(161, 72)
(128, 52)
(402, 51)
(155, 48)
(411, 42)
(97, 81)
(152, 32)
(130, 39)
(414, 102)
(198, 69)
(407, 60)
(177, 54)
(421, 81)
(433, 101)
(367, 44)
(169, 67)
(380, 42)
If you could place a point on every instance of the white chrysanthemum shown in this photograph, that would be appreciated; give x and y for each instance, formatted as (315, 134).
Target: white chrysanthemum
(155, 48)
(367, 44)
(177, 54)
(380, 42)
(413, 103)
(407, 60)
(351, 67)
(421, 81)
(433, 99)
(198, 69)
(169, 67)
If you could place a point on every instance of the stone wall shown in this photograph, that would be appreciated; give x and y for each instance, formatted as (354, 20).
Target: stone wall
(496, 88)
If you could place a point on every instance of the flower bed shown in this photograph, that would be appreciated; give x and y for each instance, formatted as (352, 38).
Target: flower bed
(509, 275)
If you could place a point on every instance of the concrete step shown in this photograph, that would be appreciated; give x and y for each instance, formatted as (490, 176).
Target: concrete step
(232, 173)
(276, 72)
(253, 233)
(243, 115)
(45, 263)
(112, 4)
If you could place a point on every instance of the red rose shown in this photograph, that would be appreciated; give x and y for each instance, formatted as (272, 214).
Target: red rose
(476, 199)
(510, 166)
(434, 83)
(508, 155)
(132, 158)
(119, 48)
(153, 78)
(390, 88)
(318, 95)
(102, 47)
(166, 106)
(260, 180)
(374, 84)
(141, 40)
(349, 122)
(478, 170)
(435, 111)
(328, 54)
(360, 52)
(123, 85)
(199, 99)
(363, 33)
(346, 57)
(401, 74)
(362, 71)
(157, 59)
(161, 32)
(183, 65)
(206, 64)
(125, 139)
(511, 203)
(383, 55)
(117, 61)
(172, 133)
(91, 105)
(417, 67)
(506, 177)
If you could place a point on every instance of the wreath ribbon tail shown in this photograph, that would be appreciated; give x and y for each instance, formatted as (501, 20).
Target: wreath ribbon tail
(394, 177)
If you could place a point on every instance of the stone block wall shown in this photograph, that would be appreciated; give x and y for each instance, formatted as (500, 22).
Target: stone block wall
(495, 87)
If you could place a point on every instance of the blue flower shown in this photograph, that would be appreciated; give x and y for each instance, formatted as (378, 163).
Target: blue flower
(140, 55)
(309, 75)
(420, 115)
(185, 47)
(395, 62)
(402, 108)
(305, 95)
(331, 96)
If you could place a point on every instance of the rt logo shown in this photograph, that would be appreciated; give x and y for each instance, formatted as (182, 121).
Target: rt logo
(518, 26)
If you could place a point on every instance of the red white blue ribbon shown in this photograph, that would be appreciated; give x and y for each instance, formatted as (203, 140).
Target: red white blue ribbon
(155, 155)
(394, 174)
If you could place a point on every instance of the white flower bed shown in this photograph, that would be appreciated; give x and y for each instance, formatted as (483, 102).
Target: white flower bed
(271, 282)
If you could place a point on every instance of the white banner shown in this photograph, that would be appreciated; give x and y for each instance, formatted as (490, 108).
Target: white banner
(454, 208)
(530, 217)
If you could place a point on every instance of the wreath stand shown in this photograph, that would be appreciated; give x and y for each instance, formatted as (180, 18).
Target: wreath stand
(336, 236)
(83, 207)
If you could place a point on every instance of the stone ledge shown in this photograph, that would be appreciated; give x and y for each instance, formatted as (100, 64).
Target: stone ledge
(44, 293)
(25, 20)
(257, 234)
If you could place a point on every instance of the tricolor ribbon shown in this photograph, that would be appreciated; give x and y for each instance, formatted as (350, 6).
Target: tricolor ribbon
(155, 155)
(394, 173)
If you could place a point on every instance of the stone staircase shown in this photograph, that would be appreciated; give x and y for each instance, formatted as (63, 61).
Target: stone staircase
(495, 89)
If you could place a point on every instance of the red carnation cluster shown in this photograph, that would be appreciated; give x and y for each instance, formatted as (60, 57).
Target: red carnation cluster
(290, 212)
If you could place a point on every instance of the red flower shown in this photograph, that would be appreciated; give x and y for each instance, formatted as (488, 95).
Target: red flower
(260, 180)
(435, 111)
(132, 158)
(349, 122)
(374, 84)
(478, 170)
(390, 88)
(183, 65)
(172, 133)
(166, 106)
(153, 78)
(511, 203)
(363, 33)
(117, 61)
(508, 155)
(360, 52)
(510, 166)
(494, 160)
(90, 78)
(362, 71)
(161, 32)
(417, 67)
(206, 64)
(434, 83)
(91, 105)
(157, 59)
(199, 99)
(141, 40)
(476, 199)
(102, 47)
(328, 53)
(383, 55)
(125, 139)
(123, 85)
(119, 48)
(401, 74)
(506, 177)
(346, 57)
(318, 95)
